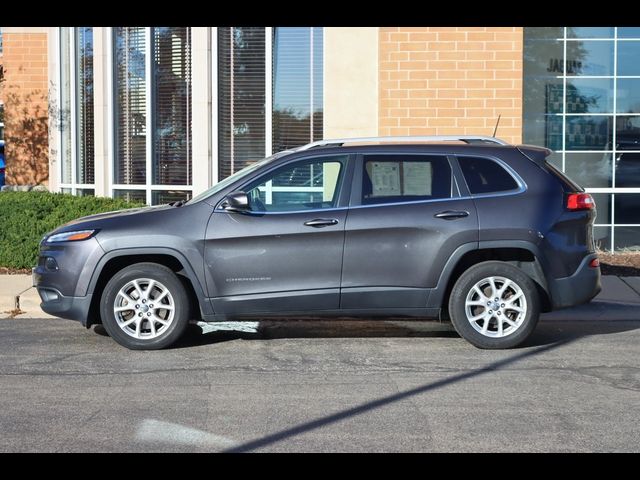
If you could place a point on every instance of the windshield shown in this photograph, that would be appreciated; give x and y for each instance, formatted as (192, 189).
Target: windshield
(232, 178)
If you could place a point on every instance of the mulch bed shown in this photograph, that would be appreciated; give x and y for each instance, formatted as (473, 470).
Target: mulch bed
(14, 271)
(623, 264)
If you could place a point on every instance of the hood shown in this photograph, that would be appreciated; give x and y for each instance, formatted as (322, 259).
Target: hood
(94, 221)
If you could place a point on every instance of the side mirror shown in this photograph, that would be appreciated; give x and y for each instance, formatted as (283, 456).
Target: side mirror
(236, 202)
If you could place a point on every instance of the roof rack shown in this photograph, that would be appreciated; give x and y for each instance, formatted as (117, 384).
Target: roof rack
(470, 139)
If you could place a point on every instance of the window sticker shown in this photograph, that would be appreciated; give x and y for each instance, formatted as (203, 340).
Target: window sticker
(417, 178)
(385, 178)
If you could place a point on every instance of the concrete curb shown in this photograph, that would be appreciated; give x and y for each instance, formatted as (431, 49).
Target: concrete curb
(18, 298)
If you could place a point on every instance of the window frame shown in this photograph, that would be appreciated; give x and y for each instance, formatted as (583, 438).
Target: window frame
(112, 85)
(71, 123)
(269, 93)
(343, 188)
(356, 189)
(521, 184)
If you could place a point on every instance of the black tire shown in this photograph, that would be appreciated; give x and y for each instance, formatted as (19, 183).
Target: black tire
(178, 295)
(525, 322)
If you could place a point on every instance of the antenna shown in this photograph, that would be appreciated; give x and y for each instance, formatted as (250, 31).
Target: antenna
(497, 123)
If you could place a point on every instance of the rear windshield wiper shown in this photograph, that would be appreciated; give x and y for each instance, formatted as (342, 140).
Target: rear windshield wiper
(178, 203)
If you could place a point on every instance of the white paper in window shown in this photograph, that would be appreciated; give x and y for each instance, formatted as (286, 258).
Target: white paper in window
(417, 178)
(385, 177)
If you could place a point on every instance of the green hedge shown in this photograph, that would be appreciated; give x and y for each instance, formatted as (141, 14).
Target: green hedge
(26, 216)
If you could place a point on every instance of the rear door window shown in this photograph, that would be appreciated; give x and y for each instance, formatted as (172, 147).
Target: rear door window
(405, 178)
(484, 175)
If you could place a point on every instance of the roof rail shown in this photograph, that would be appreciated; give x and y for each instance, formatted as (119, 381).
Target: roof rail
(433, 138)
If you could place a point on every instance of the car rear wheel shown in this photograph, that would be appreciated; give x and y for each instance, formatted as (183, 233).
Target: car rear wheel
(494, 305)
(145, 307)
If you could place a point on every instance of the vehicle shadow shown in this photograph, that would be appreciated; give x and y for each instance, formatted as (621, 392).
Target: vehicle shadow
(596, 318)
(271, 329)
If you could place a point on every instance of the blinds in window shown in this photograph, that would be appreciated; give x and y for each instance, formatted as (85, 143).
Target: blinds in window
(130, 108)
(172, 105)
(297, 86)
(318, 87)
(241, 101)
(65, 104)
(84, 105)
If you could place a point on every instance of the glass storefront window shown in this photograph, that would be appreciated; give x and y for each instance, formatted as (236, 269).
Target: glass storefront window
(628, 132)
(628, 169)
(130, 105)
(167, 196)
(589, 169)
(131, 195)
(628, 95)
(171, 106)
(153, 130)
(76, 120)
(590, 117)
(241, 98)
(84, 108)
(590, 57)
(65, 105)
(628, 32)
(603, 207)
(588, 133)
(589, 95)
(628, 53)
(297, 86)
(589, 32)
(627, 238)
(296, 98)
(626, 208)
(602, 237)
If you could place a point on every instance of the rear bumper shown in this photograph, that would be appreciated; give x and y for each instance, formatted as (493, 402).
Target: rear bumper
(578, 288)
(72, 308)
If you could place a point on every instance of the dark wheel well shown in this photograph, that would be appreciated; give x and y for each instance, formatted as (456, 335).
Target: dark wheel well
(116, 264)
(518, 257)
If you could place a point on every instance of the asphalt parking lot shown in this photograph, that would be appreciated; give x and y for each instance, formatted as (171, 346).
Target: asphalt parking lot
(347, 386)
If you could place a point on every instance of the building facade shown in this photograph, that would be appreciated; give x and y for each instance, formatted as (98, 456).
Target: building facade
(158, 114)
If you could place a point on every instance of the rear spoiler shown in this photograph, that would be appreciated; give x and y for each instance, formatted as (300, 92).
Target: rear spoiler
(536, 154)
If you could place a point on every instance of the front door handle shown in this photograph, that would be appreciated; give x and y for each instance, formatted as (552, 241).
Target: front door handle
(452, 214)
(321, 222)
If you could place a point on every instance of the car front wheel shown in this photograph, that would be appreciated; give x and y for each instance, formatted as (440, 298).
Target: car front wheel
(494, 305)
(145, 307)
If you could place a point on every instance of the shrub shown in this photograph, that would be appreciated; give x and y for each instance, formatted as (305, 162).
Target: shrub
(25, 217)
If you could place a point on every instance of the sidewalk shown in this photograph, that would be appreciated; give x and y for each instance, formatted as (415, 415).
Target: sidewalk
(619, 290)
(19, 288)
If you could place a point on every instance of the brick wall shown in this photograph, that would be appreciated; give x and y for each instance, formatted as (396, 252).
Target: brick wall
(25, 96)
(450, 80)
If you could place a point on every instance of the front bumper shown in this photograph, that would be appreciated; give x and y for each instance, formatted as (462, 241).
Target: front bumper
(578, 288)
(72, 308)
(62, 278)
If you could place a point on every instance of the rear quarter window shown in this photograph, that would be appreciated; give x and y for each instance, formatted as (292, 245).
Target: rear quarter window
(568, 185)
(484, 175)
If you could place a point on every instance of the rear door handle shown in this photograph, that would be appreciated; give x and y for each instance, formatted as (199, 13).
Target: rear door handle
(452, 214)
(321, 222)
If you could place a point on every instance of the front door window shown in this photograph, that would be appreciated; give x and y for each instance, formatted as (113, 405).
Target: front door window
(311, 184)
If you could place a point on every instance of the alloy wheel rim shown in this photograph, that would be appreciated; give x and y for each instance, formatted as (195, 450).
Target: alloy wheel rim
(144, 308)
(496, 307)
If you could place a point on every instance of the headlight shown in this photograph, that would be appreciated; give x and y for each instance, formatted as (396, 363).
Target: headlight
(70, 236)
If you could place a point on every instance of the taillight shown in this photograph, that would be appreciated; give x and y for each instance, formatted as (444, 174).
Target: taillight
(595, 263)
(580, 201)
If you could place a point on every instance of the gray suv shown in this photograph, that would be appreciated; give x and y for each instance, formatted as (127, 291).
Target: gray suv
(470, 229)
